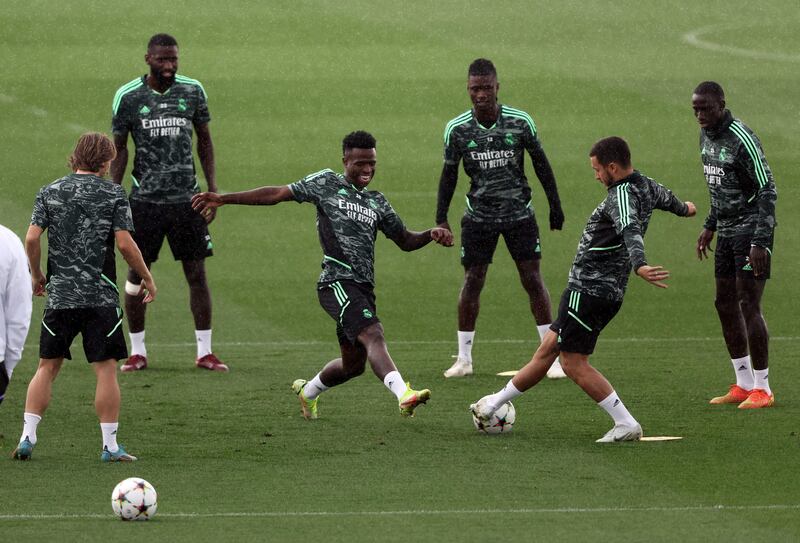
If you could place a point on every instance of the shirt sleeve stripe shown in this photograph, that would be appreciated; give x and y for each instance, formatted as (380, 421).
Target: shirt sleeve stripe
(623, 203)
(122, 91)
(752, 149)
(513, 112)
(315, 174)
(461, 119)
(189, 81)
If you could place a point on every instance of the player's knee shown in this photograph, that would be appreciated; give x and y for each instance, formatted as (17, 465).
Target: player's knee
(371, 335)
(726, 305)
(473, 282)
(355, 369)
(573, 365)
(49, 368)
(750, 306)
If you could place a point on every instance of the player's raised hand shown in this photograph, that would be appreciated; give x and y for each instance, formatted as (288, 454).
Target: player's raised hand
(692, 209)
(704, 242)
(442, 236)
(206, 201)
(653, 275)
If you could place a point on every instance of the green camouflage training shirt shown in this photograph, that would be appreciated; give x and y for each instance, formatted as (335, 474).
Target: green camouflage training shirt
(348, 221)
(493, 159)
(613, 241)
(739, 181)
(161, 126)
(80, 214)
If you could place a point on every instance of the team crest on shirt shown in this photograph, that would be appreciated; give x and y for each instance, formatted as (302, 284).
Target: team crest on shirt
(510, 139)
(182, 104)
(373, 205)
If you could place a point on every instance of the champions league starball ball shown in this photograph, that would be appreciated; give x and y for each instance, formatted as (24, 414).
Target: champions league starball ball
(134, 499)
(501, 422)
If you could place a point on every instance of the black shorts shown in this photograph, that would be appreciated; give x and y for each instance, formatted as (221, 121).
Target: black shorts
(185, 229)
(580, 319)
(479, 240)
(101, 328)
(732, 257)
(351, 305)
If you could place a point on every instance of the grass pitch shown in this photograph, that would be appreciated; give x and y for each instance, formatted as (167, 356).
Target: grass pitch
(229, 454)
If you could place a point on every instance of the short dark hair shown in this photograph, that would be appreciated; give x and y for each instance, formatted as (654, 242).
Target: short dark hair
(710, 87)
(612, 149)
(163, 40)
(358, 140)
(91, 152)
(481, 66)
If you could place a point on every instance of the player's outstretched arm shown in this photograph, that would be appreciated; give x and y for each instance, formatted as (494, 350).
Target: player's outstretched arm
(655, 275)
(130, 252)
(264, 196)
(33, 248)
(411, 241)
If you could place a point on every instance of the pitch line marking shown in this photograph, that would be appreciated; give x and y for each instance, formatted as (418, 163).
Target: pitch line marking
(508, 341)
(291, 343)
(693, 38)
(427, 512)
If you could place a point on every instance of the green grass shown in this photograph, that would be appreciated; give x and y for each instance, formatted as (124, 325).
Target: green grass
(229, 454)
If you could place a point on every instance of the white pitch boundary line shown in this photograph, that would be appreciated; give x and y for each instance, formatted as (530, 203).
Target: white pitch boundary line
(290, 343)
(314, 342)
(693, 38)
(399, 342)
(429, 512)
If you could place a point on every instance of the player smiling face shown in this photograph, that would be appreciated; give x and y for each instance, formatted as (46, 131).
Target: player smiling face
(163, 62)
(359, 166)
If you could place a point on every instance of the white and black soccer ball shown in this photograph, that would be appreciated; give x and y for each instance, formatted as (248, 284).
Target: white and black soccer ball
(134, 499)
(502, 421)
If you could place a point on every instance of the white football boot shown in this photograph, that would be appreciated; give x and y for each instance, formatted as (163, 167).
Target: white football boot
(622, 432)
(556, 371)
(482, 409)
(460, 368)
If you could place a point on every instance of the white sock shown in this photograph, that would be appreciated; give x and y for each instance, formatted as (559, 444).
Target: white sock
(31, 421)
(506, 394)
(203, 342)
(762, 380)
(465, 340)
(743, 370)
(137, 343)
(109, 430)
(543, 329)
(314, 388)
(617, 410)
(394, 382)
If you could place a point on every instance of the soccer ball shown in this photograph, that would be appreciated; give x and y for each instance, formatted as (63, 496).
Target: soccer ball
(502, 421)
(134, 499)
